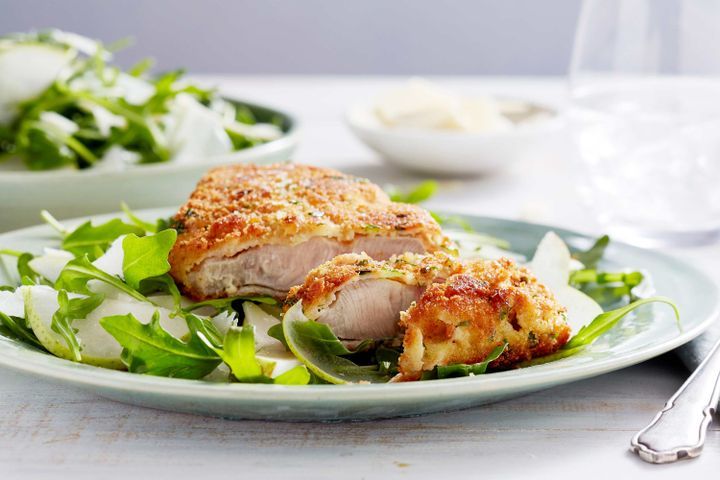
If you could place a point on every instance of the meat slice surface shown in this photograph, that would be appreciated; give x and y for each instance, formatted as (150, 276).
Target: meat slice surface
(250, 229)
(369, 309)
(274, 269)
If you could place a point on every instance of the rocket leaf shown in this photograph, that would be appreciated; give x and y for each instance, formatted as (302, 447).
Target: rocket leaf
(150, 349)
(146, 257)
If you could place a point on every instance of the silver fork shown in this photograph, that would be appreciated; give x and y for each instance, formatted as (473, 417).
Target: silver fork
(678, 430)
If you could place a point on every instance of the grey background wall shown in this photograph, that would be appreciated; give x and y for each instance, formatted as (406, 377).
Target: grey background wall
(504, 37)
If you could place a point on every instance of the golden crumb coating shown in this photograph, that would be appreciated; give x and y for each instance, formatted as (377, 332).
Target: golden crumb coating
(462, 319)
(464, 309)
(323, 282)
(238, 207)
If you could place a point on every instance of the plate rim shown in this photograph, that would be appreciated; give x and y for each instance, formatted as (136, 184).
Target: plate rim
(21, 358)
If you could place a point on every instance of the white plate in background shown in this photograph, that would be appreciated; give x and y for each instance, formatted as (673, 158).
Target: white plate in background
(73, 193)
(454, 153)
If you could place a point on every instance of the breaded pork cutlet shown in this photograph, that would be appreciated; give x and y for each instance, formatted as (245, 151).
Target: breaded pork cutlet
(362, 298)
(489, 303)
(250, 229)
(447, 310)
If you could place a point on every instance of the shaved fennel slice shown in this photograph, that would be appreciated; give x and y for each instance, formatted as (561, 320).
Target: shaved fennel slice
(11, 303)
(51, 263)
(111, 263)
(26, 70)
(268, 349)
(262, 321)
(194, 131)
(551, 265)
(98, 347)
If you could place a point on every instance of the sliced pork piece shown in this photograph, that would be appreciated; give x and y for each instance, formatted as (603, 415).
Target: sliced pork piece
(487, 304)
(361, 298)
(250, 229)
(448, 311)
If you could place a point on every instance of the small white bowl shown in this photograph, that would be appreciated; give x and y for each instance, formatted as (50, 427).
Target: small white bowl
(73, 193)
(452, 153)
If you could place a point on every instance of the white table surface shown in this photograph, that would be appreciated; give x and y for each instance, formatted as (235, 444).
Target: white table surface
(582, 429)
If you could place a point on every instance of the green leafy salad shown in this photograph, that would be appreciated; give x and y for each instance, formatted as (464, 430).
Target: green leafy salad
(63, 105)
(103, 296)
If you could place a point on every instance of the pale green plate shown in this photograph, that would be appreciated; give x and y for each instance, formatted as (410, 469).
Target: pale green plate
(639, 337)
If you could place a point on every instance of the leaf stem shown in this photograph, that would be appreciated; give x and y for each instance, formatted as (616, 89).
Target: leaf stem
(147, 226)
(54, 223)
(80, 149)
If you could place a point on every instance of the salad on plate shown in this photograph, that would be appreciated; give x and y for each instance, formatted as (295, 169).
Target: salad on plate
(64, 105)
(132, 294)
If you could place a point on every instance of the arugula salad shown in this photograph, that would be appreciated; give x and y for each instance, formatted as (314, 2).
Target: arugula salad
(103, 296)
(64, 105)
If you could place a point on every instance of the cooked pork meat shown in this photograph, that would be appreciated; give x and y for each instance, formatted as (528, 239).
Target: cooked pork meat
(361, 298)
(376, 301)
(450, 311)
(250, 229)
(274, 269)
(462, 319)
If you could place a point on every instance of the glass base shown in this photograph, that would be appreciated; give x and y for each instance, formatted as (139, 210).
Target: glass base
(664, 239)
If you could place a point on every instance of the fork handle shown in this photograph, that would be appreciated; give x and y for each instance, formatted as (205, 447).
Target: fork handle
(678, 430)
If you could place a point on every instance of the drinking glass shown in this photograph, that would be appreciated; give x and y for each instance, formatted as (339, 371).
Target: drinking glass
(645, 115)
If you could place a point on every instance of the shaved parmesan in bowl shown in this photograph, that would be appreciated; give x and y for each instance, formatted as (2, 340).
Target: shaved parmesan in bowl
(423, 127)
(425, 105)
